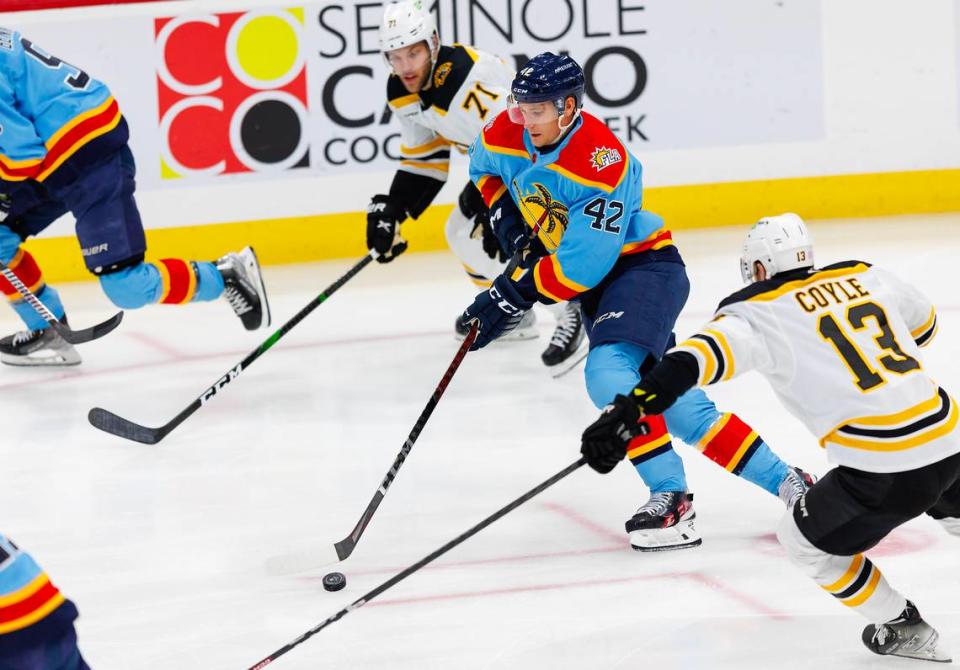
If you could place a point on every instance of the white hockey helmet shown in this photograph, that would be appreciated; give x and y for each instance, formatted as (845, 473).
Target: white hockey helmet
(778, 243)
(406, 23)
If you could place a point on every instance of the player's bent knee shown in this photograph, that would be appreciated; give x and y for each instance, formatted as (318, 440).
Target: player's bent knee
(457, 226)
(132, 287)
(800, 550)
(611, 369)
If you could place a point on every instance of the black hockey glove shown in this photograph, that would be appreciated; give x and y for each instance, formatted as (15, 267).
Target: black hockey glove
(483, 231)
(383, 228)
(604, 442)
(497, 310)
(471, 202)
(513, 234)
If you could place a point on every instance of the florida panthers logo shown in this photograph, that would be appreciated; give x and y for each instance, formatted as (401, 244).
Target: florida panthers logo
(602, 157)
(552, 216)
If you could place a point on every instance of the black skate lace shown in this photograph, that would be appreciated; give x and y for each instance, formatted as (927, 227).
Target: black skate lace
(567, 326)
(657, 505)
(237, 300)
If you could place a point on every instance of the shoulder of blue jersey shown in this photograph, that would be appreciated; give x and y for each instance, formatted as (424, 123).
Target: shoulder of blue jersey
(594, 156)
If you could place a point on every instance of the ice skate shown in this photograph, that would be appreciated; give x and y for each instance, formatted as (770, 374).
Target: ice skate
(525, 330)
(567, 336)
(794, 485)
(35, 348)
(950, 524)
(908, 636)
(664, 523)
(243, 288)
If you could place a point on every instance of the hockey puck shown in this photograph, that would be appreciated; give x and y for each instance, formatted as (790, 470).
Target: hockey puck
(334, 581)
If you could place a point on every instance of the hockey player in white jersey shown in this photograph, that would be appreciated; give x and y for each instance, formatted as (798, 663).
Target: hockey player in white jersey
(840, 347)
(442, 96)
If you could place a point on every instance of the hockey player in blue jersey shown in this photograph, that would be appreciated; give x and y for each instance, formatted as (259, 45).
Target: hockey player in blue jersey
(36, 620)
(545, 164)
(63, 148)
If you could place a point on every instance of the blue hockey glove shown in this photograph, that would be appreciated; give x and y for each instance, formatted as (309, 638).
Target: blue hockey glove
(497, 310)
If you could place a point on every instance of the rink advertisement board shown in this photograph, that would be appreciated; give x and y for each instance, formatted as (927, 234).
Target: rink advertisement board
(275, 91)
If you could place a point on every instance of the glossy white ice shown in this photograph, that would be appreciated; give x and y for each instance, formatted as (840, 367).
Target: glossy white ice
(163, 548)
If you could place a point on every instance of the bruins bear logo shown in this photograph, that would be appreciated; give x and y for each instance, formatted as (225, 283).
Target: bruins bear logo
(440, 74)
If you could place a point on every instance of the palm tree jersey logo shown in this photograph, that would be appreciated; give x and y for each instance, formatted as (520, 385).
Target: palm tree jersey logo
(232, 92)
(551, 215)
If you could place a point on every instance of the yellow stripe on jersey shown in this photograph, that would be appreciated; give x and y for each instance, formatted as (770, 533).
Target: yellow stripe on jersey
(773, 294)
(411, 99)
(426, 148)
(706, 354)
(919, 438)
(926, 324)
(442, 166)
(589, 182)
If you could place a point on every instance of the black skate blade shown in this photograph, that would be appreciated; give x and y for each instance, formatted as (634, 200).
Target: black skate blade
(109, 422)
(87, 334)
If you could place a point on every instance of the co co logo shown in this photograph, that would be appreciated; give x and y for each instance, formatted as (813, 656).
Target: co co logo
(232, 92)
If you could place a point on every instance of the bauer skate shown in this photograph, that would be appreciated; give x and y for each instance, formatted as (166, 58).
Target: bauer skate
(794, 485)
(908, 636)
(243, 288)
(44, 347)
(567, 336)
(664, 523)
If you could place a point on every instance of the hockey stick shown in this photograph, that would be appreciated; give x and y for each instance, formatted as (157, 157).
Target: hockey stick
(399, 577)
(346, 546)
(71, 336)
(117, 425)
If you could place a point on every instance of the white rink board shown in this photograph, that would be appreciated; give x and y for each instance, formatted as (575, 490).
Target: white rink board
(163, 548)
(886, 100)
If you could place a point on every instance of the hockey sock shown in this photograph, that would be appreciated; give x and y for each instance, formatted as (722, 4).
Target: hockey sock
(209, 281)
(656, 462)
(178, 281)
(25, 267)
(736, 447)
(853, 580)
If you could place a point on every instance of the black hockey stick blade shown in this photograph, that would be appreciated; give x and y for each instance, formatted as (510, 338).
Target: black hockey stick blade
(116, 425)
(87, 334)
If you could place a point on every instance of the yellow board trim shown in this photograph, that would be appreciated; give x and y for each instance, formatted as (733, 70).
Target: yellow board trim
(341, 235)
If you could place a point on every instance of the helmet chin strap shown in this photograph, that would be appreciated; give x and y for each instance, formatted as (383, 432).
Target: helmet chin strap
(565, 128)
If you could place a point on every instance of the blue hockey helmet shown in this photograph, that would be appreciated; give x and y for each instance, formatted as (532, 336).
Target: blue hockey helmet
(547, 77)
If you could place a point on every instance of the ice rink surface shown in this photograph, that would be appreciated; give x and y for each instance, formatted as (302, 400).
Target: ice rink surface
(163, 548)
